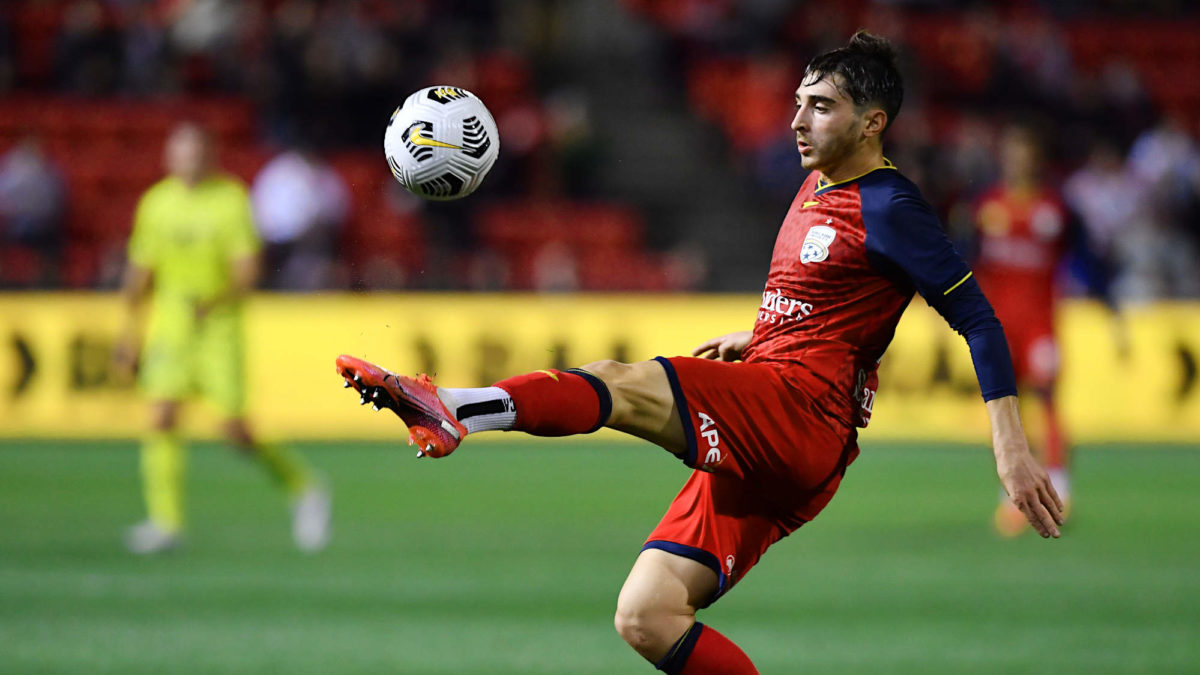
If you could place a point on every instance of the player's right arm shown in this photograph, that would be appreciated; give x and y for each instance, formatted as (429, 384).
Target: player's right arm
(135, 290)
(725, 348)
(136, 286)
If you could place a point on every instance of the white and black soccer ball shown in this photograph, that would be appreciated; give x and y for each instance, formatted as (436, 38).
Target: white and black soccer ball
(441, 143)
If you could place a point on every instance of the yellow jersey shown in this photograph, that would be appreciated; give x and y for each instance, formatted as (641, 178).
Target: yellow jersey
(188, 237)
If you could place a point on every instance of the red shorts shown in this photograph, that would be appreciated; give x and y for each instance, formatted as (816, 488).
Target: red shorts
(1034, 353)
(766, 461)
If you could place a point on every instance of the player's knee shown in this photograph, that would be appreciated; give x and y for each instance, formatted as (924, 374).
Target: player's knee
(163, 417)
(649, 629)
(637, 630)
(239, 436)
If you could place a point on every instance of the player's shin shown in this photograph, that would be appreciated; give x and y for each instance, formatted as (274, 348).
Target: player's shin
(162, 463)
(285, 466)
(542, 403)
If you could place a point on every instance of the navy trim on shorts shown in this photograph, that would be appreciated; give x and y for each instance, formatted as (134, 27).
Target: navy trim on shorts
(701, 556)
(685, 415)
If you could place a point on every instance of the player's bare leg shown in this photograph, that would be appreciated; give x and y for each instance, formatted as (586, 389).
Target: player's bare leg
(656, 615)
(659, 600)
(642, 402)
(634, 398)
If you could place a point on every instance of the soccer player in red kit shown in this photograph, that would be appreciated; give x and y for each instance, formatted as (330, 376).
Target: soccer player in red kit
(767, 419)
(1021, 231)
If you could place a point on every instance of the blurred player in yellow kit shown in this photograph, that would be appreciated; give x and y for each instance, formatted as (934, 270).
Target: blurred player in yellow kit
(193, 257)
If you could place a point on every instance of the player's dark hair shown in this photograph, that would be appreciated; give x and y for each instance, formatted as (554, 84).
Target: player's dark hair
(869, 76)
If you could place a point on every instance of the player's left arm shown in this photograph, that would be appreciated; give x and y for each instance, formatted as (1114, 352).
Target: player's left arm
(905, 239)
(1023, 478)
(244, 254)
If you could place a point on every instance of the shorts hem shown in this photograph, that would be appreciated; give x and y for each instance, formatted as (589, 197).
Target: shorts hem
(685, 416)
(706, 558)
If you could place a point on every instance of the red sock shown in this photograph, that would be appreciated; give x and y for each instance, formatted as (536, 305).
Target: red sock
(558, 403)
(1056, 444)
(704, 651)
(715, 654)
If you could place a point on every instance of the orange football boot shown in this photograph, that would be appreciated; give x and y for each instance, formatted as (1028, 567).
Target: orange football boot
(430, 424)
(1008, 519)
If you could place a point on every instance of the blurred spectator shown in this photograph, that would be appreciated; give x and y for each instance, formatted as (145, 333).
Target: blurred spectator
(969, 159)
(572, 143)
(301, 205)
(332, 73)
(32, 201)
(1110, 200)
(1148, 258)
(8, 69)
(1167, 160)
(555, 269)
(87, 54)
(146, 69)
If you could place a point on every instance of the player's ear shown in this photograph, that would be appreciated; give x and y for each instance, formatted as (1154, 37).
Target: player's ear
(874, 122)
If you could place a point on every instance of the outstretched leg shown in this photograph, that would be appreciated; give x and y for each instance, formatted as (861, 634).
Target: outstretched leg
(635, 398)
(656, 615)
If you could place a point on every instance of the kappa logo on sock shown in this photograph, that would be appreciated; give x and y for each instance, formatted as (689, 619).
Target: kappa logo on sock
(708, 431)
(729, 563)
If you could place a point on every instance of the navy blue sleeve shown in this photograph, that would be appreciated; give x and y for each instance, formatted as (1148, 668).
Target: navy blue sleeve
(906, 241)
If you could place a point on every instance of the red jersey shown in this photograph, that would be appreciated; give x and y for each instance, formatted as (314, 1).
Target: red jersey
(846, 263)
(1022, 238)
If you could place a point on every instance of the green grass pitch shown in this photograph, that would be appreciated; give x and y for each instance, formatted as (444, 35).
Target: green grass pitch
(507, 558)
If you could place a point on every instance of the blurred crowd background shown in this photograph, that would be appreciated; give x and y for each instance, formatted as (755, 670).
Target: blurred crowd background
(644, 143)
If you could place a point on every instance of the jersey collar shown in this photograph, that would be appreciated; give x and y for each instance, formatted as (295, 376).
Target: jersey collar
(824, 184)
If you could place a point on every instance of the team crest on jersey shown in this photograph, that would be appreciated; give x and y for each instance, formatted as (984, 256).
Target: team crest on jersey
(816, 244)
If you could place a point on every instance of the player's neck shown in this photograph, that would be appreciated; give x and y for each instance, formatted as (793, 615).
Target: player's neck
(192, 181)
(1021, 188)
(860, 163)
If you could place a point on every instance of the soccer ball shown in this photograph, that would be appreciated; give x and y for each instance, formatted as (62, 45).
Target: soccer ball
(441, 143)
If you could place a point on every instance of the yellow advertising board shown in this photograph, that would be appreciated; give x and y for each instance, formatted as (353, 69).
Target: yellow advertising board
(1132, 377)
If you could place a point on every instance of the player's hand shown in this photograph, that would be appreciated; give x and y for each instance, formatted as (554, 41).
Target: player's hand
(725, 348)
(201, 309)
(125, 359)
(1029, 487)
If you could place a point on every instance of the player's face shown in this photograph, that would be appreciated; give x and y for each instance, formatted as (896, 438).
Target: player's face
(1019, 157)
(828, 126)
(187, 153)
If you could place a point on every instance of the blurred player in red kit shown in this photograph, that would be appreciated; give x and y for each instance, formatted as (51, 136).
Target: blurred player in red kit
(766, 419)
(1021, 234)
